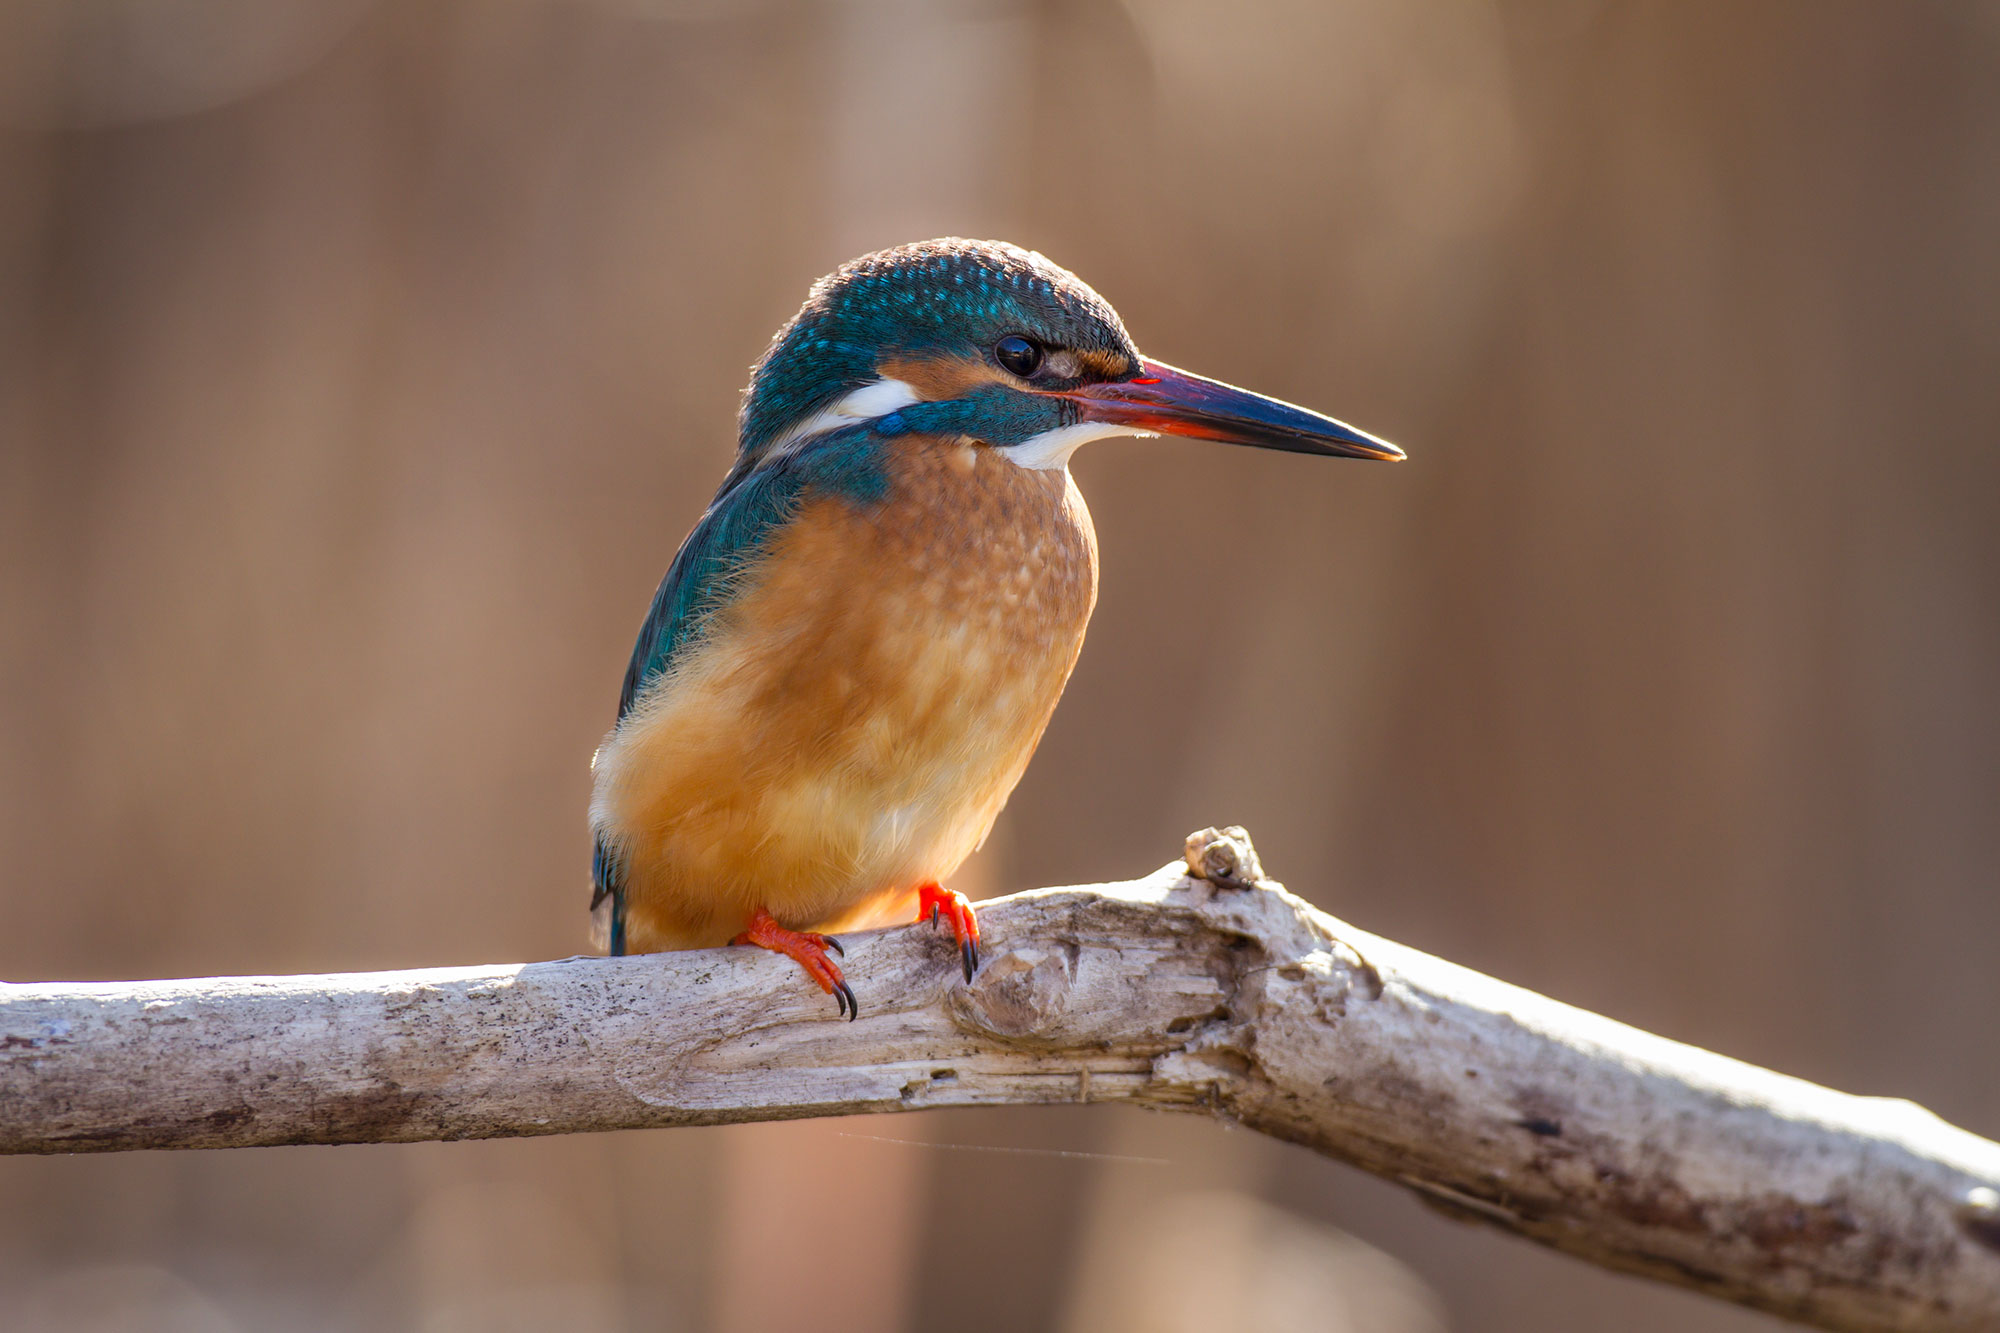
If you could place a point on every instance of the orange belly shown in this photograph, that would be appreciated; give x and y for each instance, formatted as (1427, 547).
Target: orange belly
(852, 723)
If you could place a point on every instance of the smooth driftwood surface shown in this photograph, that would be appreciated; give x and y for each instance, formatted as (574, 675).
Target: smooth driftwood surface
(1199, 988)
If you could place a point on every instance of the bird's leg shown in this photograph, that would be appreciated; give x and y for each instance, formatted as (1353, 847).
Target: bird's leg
(933, 899)
(808, 951)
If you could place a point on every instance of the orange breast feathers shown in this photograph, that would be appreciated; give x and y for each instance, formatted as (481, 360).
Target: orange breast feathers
(852, 722)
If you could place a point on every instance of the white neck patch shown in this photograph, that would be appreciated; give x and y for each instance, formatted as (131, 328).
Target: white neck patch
(877, 398)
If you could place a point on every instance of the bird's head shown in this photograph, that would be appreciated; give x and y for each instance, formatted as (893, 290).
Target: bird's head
(987, 341)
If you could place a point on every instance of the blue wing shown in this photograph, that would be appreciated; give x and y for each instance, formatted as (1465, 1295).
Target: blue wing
(754, 501)
(750, 505)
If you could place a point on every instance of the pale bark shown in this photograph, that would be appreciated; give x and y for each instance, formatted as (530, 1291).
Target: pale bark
(1175, 991)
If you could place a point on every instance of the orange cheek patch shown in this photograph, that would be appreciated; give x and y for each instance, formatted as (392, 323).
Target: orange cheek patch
(1105, 366)
(939, 379)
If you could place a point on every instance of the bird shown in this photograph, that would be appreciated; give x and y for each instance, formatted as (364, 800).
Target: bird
(853, 655)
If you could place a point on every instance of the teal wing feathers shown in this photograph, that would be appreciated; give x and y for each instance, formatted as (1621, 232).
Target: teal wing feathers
(750, 505)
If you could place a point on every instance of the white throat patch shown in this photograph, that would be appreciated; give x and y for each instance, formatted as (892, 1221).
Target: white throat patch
(1050, 451)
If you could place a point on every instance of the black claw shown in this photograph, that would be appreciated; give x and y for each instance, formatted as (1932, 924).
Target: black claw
(840, 998)
(968, 952)
(934, 913)
(834, 945)
(853, 1005)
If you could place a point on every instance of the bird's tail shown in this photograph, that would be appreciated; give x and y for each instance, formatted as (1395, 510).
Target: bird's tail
(607, 899)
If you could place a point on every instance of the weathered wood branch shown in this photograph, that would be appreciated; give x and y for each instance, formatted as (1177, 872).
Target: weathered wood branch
(1180, 991)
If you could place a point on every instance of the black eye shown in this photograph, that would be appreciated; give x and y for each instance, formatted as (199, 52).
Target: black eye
(1018, 355)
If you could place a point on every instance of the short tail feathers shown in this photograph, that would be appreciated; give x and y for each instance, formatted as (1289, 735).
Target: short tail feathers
(607, 880)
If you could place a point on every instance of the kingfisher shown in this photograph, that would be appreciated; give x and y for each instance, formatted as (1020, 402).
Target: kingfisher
(854, 653)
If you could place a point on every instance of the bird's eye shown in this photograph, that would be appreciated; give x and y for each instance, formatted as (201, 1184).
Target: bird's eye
(1018, 355)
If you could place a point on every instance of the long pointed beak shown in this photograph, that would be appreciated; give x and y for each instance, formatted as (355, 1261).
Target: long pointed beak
(1173, 402)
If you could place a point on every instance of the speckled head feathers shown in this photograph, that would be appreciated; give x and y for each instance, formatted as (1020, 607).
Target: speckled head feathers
(943, 298)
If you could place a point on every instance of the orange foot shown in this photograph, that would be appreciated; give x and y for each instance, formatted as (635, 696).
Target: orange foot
(809, 952)
(933, 899)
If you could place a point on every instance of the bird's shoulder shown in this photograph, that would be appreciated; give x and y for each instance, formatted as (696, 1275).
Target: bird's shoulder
(758, 497)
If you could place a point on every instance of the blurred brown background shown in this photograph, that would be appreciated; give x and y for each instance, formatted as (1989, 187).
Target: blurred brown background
(361, 366)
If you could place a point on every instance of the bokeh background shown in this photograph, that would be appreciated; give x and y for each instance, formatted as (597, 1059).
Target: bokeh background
(361, 366)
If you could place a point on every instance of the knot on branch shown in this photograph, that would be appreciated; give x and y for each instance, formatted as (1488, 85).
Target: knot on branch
(1224, 857)
(1979, 1214)
(1023, 993)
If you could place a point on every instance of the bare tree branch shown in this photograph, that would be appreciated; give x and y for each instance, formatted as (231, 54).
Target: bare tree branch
(1194, 992)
